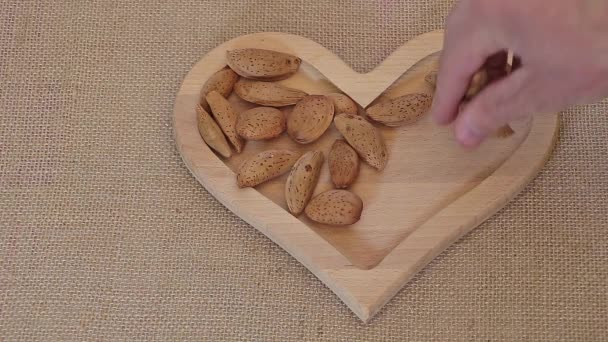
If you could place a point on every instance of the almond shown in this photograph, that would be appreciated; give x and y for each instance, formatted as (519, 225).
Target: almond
(504, 132)
(267, 93)
(343, 104)
(212, 133)
(335, 207)
(402, 110)
(343, 164)
(476, 85)
(226, 117)
(263, 65)
(310, 118)
(265, 166)
(222, 81)
(261, 123)
(364, 138)
(302, 181)
(495, 68)
(431, 78)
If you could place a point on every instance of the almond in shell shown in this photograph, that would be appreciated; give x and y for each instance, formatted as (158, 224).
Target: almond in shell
(263, 65)
(504, 132)
(267, 93)
(226, 117)
(261, 123)
(265, 166)
(302, 181)
(402, 110)
(335, 207)
(222, 81)
(366, 139)
(343, 104)
(431, 78)
(310, 118)
(479, 81)
(496, 67)
(212, 133)
(343, 164)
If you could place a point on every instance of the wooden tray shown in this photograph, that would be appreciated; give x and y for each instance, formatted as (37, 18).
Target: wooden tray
(431, 193)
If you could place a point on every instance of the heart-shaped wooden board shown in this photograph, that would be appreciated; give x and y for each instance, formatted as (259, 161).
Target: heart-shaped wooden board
(431, 193)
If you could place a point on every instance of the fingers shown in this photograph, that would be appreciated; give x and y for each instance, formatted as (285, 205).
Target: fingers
(493, 69)
(456, 65)
(497, 105)
(465, 50)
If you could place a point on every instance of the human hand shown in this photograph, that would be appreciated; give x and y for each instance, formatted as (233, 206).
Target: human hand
(563, 46)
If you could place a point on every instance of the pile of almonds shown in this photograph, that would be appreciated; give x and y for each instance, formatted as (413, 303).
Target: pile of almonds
(252, 74)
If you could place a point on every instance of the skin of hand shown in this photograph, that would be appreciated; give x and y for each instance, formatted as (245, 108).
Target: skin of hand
(563, 46)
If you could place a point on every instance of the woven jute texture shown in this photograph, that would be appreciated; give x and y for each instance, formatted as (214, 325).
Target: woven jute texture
(105, 236)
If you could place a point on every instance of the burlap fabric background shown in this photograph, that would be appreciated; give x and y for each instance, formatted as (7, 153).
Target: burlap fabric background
(105, 235)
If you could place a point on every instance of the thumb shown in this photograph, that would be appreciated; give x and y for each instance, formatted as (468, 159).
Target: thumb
(498, 104)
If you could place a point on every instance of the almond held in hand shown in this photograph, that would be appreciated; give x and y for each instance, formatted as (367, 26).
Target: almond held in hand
(226, 117)
(302, 181)
(343, 163)
(262, 65)
(364, 138)
(267, 93)
(310, 118)
(265, 166)
(335, 207)
(261, 123)
(212, 133)
(479, 81)
(402, 110)
(495, 68)
(222, 81)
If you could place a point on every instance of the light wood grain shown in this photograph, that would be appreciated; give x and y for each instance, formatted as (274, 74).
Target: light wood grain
(431, 193)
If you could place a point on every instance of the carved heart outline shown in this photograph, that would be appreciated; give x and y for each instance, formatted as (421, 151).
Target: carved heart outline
(363, 291)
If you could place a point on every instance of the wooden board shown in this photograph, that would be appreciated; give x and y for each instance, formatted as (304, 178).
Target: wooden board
(431, 193)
